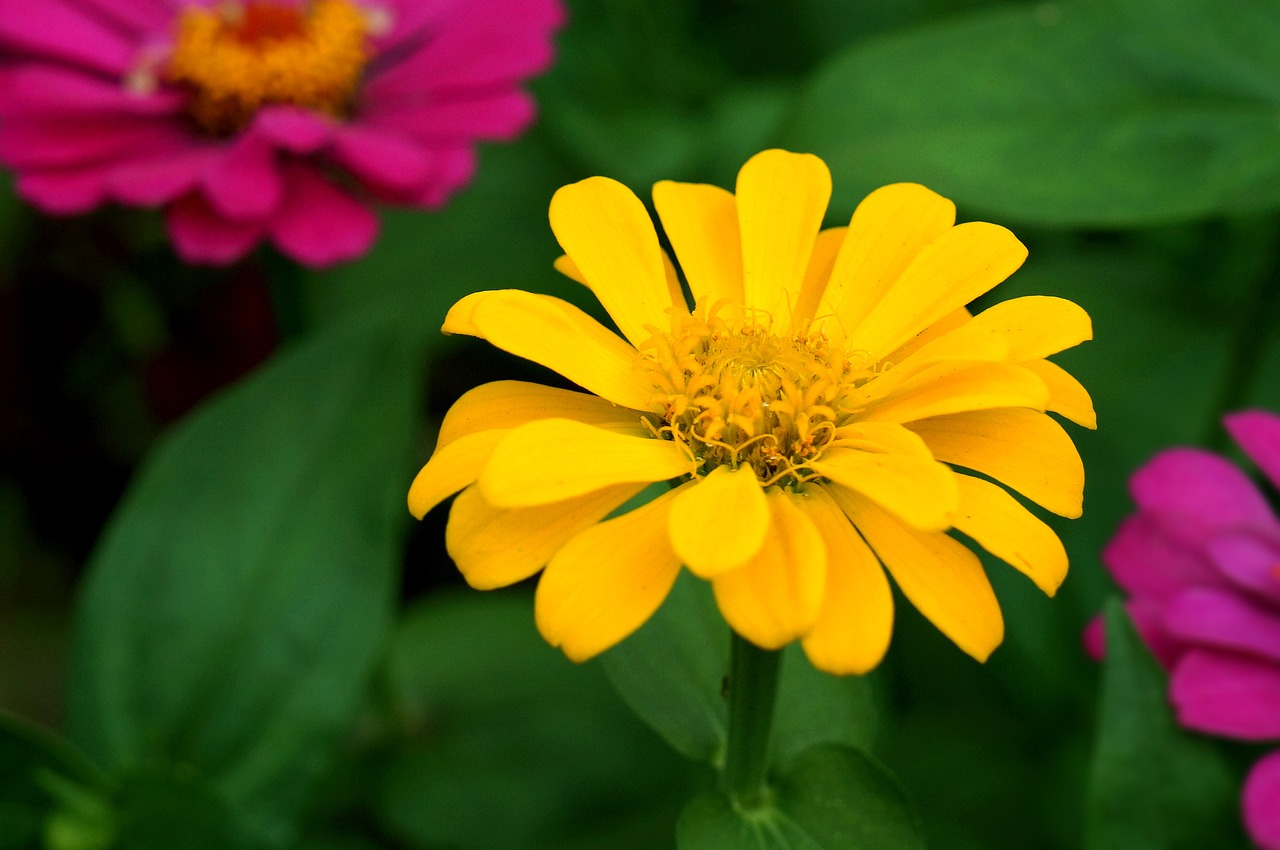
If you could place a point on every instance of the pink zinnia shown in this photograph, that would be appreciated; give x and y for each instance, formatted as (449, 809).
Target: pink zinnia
(265, 119)
(1201, 562)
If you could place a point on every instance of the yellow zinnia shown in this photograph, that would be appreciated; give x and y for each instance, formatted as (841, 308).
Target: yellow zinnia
(812, 413)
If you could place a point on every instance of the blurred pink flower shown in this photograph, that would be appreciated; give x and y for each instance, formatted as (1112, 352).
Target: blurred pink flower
(265, 119)
(1201, 563)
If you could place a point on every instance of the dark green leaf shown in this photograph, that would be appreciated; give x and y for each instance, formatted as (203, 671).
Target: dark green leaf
(1153, 785)
(830, 798)
(238, 600)
(1089, 113)
(163, 810)
(671, 673)
(504, 743)
(43, 779)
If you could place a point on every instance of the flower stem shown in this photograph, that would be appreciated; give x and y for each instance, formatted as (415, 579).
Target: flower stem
(752, 691)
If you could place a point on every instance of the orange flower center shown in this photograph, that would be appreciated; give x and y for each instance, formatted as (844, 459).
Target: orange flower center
(238, 57)
(737, 393)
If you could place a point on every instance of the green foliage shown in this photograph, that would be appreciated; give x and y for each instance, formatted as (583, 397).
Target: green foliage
(1067, 114)
(44, 781)
(829, 798)
(1153, 785)
(240, 597)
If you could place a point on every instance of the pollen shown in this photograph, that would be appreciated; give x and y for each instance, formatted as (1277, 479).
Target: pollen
(237, 57)
(737, 393)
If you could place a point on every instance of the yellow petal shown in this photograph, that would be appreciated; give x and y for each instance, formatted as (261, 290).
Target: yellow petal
(567, 267)
(1037, 325)
(888, 229)
(551, 460)
(943, 389)
(608, 234)
(719, 524)
(451, 468)
(952, 270)
(886, 437)
(816, 275)
(557, 335)
(942, 578)
(855, 622)
(607, 581)
(969, 342)
(776, 596)
(1010, 532)
(945, 325)
(495, 547)
(1066, 395)
(922, 492)
(782, 198)
(506, 404)
(1022, 449)
(702, 223)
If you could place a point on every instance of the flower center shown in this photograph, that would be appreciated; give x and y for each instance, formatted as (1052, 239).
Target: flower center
(737, 393)
(236, 57)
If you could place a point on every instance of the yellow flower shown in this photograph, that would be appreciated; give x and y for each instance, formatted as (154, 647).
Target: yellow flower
(812, 412)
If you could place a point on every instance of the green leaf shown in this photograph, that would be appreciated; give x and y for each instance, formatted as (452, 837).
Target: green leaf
(1153, 785)
(239, 598)
(503, 742)
(1081, 114)
(830, 798)
(671, 673)
(42, 778)
(161, 810)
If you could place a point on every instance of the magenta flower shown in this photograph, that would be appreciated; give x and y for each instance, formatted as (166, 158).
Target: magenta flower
(262, 119)
(1201, 562)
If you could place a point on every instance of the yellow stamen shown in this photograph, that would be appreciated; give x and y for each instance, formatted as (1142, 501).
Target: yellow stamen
(737, 393)
(238, 57)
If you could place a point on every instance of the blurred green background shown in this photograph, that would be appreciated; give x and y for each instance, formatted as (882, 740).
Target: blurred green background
(261, 643)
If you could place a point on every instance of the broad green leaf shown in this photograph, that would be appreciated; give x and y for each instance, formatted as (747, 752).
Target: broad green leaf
(43, 780)
(167, 809)
(671, 672)
(1153, 785)
(237, 602)
(830, 798)
(1082, 114)
(504, 743)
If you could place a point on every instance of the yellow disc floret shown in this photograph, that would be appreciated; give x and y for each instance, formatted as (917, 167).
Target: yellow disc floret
(736, 393)
(237, 57)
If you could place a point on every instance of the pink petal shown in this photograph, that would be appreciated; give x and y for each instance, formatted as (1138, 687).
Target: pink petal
(409, 19)
(1258, 433)
(454, 169)
(381, 158)
(485, 44)
(320, 224)
(1226, 694)
(50, 90)
(140, 16)
(1250, 558)
(493, 116)
(1146, 561)
(1199, 490)
(153, 180)
(200, 235)
(244, 183)
(63, 143)
(1223, 620)
(294, 129)
(57, 30)
(1261, 802)
(69, 192)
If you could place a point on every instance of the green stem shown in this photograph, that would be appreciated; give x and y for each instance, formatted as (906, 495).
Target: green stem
(752, 691)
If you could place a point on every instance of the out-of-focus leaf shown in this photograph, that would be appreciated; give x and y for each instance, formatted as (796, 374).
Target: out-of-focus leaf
(671, 673)
(1153, 785)
(1088, 113)
(43, 778)
(508, 744)
(163, 810)
(241, 593)
(830, 798)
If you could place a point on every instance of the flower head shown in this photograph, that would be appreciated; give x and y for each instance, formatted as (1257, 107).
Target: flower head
(1200, 561)
(805, 412)
(250, 120)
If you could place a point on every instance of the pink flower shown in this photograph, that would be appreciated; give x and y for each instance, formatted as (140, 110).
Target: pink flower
(262, 119)
(1201, 563)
